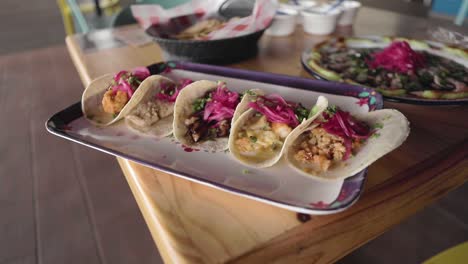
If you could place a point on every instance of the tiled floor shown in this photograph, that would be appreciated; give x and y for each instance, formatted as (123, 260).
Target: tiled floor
(63, 203)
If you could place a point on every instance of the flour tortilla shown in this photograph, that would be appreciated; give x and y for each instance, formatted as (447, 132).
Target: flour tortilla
(184, 108)
(91, 101)
(319, 107)
(163, 127)
(394, 132)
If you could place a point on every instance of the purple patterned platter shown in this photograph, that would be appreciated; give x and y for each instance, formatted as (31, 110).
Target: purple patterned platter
(278, 185)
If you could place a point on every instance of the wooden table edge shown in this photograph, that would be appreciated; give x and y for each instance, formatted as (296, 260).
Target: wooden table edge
(441, 167)
(302, 246)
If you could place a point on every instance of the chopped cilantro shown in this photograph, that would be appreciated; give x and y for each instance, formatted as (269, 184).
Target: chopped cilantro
(375, 135)
(301, 112)
(114, 115)
(250, 92)
(200, 103)
(331, 110)
(253, 139)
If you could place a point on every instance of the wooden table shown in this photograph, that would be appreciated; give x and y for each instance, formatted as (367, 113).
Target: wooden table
(191, 223)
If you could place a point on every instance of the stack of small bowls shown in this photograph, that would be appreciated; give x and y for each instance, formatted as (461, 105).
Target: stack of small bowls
(322, 20)
(315, 19)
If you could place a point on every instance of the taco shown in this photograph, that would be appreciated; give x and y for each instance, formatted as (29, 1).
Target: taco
(203, 115)
(337, 144)
(110, 97)
(154, 114)
(259, 135)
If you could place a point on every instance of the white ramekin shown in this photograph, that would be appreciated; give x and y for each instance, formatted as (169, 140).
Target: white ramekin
(299, 6)
(284, 23)
(318, 23)
(350, 10)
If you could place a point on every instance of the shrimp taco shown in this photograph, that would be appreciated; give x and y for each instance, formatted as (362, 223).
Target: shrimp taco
(337, 144)
(203, 115)
(111, 97)
(259, 135)
(154, 114)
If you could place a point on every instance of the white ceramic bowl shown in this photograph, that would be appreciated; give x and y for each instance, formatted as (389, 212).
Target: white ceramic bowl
(350, 10)
(284, 23)
(317, 23)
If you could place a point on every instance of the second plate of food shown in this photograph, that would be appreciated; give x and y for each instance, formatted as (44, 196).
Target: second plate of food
(403, 70)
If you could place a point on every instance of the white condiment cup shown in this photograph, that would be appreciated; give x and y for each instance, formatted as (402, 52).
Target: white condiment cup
(283, 23)
(298, 6)
(350, 10)
(316, 22)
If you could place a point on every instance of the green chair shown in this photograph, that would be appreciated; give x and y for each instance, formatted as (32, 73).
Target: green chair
(462, 13)
(124, 17)
(455, 255)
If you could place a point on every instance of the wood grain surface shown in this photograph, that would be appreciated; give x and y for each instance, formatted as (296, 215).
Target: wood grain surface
(59, 203)
(192, 223)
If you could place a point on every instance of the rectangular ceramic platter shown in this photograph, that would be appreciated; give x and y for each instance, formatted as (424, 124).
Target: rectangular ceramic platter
(278, 185)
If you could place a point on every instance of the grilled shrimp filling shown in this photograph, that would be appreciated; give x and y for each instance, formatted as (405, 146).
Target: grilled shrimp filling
(322, 150)
(261, 138)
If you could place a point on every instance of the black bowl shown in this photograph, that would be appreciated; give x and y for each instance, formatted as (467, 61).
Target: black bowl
(219, 51)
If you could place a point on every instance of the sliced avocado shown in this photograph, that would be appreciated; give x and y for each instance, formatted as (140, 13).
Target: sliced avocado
(332, 76)
(392, 92)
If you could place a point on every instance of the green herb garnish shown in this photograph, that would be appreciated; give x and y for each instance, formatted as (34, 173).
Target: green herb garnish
(301, 112)
(331, 110)
(200, 103)
(253, 139)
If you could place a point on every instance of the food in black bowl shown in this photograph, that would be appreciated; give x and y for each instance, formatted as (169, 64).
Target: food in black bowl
(219, 51)
(190, 43)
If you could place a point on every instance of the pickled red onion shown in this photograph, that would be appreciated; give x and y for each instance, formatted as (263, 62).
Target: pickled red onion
(343, 125)
(222, 105)
(276, 109)
(397, 57)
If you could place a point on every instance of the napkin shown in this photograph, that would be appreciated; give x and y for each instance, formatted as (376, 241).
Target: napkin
(173, 20)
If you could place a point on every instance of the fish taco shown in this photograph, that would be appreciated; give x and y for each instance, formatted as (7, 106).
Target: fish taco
(259, 135)
(337, 144)
(204, 113)
(111, 97)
